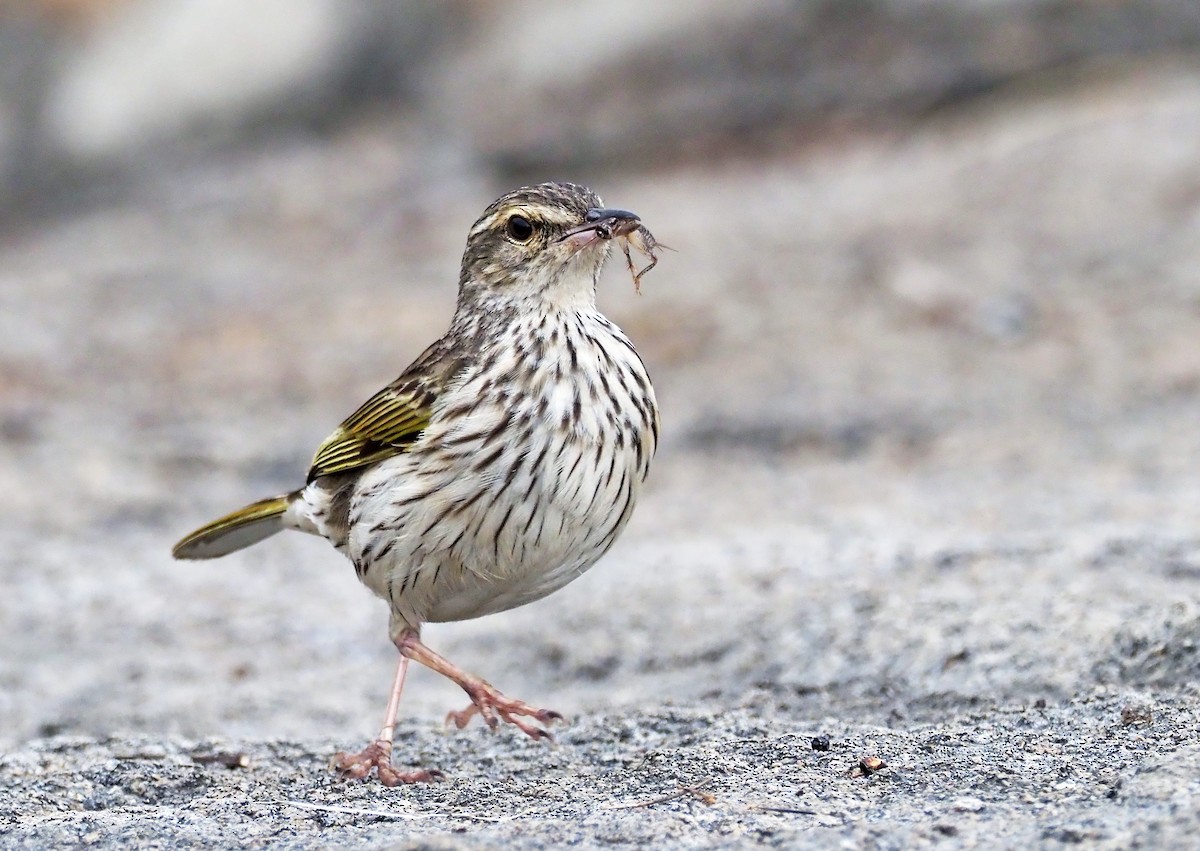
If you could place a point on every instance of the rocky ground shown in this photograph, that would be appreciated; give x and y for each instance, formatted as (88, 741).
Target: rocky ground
(927, 490)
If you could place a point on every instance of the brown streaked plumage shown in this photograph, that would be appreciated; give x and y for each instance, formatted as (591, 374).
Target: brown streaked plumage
(500, 465)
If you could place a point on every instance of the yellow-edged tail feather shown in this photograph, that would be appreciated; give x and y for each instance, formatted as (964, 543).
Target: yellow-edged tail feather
(241, 528)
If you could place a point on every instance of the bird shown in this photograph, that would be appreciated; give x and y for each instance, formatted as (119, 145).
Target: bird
(499, 466)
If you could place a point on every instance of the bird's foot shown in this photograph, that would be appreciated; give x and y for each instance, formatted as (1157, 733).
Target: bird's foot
(486, 701)
(494, 707)
(378, 756)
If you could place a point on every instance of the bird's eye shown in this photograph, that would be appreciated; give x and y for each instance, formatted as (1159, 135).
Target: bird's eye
(519, 228)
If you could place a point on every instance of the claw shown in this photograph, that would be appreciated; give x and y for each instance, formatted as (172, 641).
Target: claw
(494, 707)
(378, 756)
(462, 718)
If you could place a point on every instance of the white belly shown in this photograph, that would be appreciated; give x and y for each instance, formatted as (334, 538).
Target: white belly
(508, 496)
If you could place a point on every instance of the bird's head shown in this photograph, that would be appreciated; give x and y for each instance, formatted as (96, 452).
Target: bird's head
(544, 243)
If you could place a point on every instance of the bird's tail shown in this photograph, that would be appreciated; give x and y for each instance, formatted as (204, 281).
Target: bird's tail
(243, 527)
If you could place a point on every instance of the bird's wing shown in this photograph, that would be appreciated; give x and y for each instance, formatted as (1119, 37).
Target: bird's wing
(387, 423)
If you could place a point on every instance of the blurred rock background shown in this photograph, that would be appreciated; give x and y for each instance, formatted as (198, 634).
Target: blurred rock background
(927, 353)
(98, 92)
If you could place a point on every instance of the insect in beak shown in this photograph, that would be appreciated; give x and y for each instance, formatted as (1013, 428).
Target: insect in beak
(602, 224)
(607, 224)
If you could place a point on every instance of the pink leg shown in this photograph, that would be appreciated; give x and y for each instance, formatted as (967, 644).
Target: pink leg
(486, 700)
(378, 754)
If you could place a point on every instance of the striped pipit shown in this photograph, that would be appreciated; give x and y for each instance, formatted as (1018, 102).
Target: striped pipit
(500, 465)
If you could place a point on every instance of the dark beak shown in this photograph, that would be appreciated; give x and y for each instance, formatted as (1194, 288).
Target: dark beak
(603, 224)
